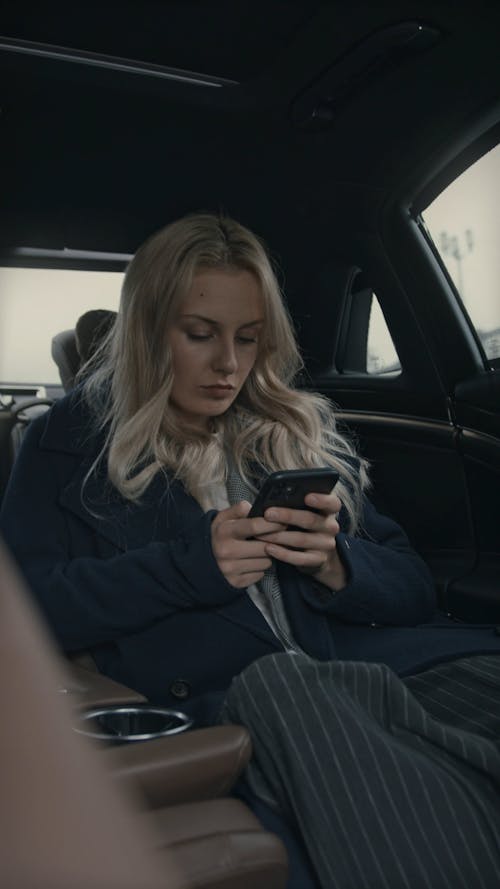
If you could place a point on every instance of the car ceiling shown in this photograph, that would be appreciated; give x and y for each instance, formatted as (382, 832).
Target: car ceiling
(96, 158)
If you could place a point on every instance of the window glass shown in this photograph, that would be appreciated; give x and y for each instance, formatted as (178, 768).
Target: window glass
(464, 223)
(381, 354)
(365, 344)
(35, 304)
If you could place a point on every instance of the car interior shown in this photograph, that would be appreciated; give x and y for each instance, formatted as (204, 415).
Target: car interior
(361, 142)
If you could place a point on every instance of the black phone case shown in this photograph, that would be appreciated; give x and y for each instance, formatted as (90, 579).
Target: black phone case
(289, 487)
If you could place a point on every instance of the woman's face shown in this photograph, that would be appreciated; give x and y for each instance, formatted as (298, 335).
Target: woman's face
(214, 342)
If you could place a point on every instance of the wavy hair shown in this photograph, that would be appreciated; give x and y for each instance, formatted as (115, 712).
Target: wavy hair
(269, 426)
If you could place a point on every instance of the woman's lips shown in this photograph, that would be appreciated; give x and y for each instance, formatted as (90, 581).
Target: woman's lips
(218, 391)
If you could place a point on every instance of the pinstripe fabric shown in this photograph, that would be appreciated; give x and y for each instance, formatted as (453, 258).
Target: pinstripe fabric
(465, 693)
(390, 786)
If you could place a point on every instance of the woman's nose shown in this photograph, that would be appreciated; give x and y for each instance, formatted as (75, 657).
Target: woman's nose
(225, 359)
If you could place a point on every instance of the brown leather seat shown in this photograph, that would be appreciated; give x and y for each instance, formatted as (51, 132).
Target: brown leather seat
(77, 817)
(64, 824)
(198, 765)
(219, 844)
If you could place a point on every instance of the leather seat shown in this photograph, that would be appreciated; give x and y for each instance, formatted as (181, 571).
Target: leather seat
(75, 816)
(65, 825)
(219, 844)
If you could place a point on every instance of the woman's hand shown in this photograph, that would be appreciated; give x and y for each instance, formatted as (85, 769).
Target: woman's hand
(242, 560)
(311, 544)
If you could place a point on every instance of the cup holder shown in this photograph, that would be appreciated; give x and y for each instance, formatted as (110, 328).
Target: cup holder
(136, 722)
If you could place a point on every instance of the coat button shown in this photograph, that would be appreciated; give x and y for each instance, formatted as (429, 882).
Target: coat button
(180, 689)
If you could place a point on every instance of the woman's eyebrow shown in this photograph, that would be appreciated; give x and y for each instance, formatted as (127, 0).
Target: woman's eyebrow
(217, 323)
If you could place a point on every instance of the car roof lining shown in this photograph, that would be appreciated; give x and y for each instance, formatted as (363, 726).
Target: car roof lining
(94, 156)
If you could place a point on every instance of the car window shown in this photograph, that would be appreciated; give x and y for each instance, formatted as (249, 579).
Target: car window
(464, 223)
(365, 343)
(381, 355)
(37, 303)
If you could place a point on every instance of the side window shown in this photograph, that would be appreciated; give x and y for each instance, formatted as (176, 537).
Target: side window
(464, 224)
(381, 357)
(365, 343)
(37, 303)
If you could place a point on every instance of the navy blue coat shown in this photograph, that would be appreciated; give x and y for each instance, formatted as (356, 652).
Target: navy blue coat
(138, 585)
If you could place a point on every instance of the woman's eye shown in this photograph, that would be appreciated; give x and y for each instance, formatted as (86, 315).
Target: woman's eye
(198, 336)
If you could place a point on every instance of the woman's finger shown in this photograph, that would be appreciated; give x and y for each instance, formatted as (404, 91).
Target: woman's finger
(313, 559)
(327, 503)
(306, 519)
(230, 550)
(243, 572)
(241, 581)
(304, 540)
(244, 566)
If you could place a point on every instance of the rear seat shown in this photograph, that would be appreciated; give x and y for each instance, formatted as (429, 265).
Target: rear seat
(22, 414)
(70, 349)
(17, 408)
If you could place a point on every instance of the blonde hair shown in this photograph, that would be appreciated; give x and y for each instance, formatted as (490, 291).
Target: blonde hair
(269, 426)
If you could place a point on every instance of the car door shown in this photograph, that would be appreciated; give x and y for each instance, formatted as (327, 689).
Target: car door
(415, 382)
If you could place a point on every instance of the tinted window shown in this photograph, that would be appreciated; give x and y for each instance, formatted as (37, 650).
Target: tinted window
(464, 223)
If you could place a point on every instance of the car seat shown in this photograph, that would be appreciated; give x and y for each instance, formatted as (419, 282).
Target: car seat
(71, 349)
(75, 816)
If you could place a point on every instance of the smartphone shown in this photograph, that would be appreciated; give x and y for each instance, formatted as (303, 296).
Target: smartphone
(289, 487)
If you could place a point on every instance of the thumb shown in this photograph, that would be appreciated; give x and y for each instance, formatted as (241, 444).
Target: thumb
(238, 510)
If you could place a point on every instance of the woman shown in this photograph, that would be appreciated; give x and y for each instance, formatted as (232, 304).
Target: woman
(128, 512)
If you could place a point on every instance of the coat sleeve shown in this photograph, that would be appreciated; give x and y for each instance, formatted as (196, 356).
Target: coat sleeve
(89, 600)
(388, 582)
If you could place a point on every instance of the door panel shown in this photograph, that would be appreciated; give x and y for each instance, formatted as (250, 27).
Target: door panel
(418, 478)
(442, 484)
(478, 594)
(476, 403)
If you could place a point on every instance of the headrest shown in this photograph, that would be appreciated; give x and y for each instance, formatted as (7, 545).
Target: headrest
(65, 355)
(90, 330)
(70, 349)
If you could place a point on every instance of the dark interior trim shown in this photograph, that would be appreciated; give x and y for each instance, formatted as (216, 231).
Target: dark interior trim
(111, 63)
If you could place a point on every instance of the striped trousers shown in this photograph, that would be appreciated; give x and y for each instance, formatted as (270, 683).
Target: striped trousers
(392, 784)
